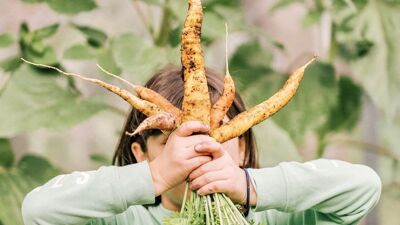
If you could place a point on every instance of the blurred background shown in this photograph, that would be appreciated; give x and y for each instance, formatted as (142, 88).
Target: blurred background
(348, 106)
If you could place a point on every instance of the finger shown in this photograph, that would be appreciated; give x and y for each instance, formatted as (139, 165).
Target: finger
(219, 186)
(190, 127)
(213, 165)
(212, 147)
(196, 162)
(193, 140)
(206, 179)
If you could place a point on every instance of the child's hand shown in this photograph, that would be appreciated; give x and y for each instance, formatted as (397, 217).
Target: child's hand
(221, 174)
(178, 158)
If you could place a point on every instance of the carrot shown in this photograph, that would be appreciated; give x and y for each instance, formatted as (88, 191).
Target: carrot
(152, 96)
(148, 95)
(196, 101)
(245, 120)
(164, 121)
(143, 106)
(221, 107)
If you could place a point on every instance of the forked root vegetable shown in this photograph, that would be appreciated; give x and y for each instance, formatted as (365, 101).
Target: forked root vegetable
(147, 108)
(255, 115)
(148, 95)
(196, 101)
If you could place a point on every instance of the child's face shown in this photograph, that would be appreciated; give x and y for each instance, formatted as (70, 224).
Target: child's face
(155, 145)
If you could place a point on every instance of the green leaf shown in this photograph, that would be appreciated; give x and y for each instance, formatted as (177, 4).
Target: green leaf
(379, 71)
(106, 60)
(47, 55)
(95, 37)
(11, 64)
(6, 40)
(355, 50)
(136, 56)
(312, 17)
(25, 35)
(36, 167)
(346, 113)
(6, 153)
(80, 52)
(178, 10)
(249, 63)
(233, 16)
(45, 32)
(37, 47)
(215, 26)
(271, 137)
(32, 101)
(174, 37)
(310, 107)
(71, 6)
(16, 182)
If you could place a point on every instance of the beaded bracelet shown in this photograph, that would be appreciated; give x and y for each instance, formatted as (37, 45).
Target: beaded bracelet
(247, 206)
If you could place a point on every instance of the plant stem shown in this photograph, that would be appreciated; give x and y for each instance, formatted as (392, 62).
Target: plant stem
(184, 197)
(162, 38)
(211, 211)
(205, 202)
(221, 222)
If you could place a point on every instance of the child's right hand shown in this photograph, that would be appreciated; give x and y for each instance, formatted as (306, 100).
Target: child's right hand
(179, 158)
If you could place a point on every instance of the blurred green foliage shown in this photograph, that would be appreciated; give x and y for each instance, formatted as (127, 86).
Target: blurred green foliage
(364, 35)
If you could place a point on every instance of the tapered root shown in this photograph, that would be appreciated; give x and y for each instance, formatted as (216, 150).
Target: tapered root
(221, 107)
(145, 107)
(152, 96)
(164, 121)
(148, 94)
(196, 101)
(245, 120)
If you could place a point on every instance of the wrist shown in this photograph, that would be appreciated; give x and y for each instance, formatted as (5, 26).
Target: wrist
(158, 181)
(253, 194)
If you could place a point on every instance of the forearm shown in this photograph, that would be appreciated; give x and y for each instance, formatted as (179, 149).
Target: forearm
(80, 196)
(342, 190)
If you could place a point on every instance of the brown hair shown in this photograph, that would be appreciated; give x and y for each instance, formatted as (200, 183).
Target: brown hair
(169, 83)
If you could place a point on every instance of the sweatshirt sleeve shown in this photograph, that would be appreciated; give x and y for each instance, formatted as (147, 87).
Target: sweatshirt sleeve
(77, 197)
(341, 191)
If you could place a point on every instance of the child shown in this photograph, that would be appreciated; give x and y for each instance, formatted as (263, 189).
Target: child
(147, 184)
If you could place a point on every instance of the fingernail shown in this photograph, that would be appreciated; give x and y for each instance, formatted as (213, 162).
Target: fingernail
(198, 147)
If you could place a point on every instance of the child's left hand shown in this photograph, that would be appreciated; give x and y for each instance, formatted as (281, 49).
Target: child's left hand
(221, 174)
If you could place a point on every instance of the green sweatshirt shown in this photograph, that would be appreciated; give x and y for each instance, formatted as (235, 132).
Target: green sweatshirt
(317, 192)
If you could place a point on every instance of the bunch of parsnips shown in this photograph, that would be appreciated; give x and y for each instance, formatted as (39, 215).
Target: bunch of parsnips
(215, 209)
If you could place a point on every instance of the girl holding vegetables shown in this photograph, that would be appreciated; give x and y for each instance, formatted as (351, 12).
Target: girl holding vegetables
(147, 182)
